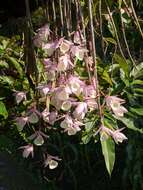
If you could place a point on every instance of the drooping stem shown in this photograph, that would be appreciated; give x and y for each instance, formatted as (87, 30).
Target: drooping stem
(61, 17)
(101, 25)
(125, 40)
(136, 19)
(94, 60)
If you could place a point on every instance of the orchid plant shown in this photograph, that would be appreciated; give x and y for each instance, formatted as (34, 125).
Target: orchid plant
(73, 94)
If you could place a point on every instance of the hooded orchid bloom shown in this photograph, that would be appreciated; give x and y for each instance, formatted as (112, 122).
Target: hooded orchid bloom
(27, 150)
(20, 96)
(65, 46)
(49, 48)
(78, 38)
(64, 63)
(21, 122)
(80, 111)
(78, 52)
(66, 105)
(51, 161)
(75, 85)
(118, 136)
(44, 89)
(42, 36)
(89, 91)
(114, 103)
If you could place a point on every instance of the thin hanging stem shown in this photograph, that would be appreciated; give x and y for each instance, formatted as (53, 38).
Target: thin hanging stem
(100, 25)
(61, 17)
(54, 16)
(136, 19)
(125, 39)
(94, 60)
(115, 30)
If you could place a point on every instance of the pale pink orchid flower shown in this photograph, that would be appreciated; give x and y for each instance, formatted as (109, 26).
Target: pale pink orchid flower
(78, 38)
(89, 91)
(118, 136)
(27, 150)
(75, 85)
(49, 117)
(37, 138)
(64, 63)
(114, 103)
(65, 46)
(115, 134)
(49, 48)
(42, 36)
(20, 96)
(78, 52)
(21, 122)
(70, 126)
(44, 89)
(51, 161)
(66, 105)
(80, 111)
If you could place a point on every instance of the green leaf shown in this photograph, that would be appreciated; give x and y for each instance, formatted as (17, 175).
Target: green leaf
(137, 82)
(123, 63)
(106, 77)
(3, 110)
(129, 123)
(7, 80)
(110, 40)
(138, 111)
(137, 71)
(15, 64)
(108, 150)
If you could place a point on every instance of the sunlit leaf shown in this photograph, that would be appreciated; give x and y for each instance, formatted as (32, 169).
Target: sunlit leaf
(129, 123)
(3, 110)
(123, 63)
(138, 111)
(108, 150)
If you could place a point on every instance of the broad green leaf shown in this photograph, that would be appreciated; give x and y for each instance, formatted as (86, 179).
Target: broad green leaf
(86, 138)
(123, 63)
(138, 111)
(3, 110)
(4, 64)
(106, 77)
(7, 80)
(129, 124)
(137, 71)
(137, 82)
(138, 90)
(108, 150)
(15, 64)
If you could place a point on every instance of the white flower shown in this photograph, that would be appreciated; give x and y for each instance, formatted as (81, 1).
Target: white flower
(75, 85)
(66, 105)
(21, 122)
(52, 162)
(65, 46)
(118, 136)
(114, 103)
(80, 111)
(20, 96)
(64, 63)
(28, 149)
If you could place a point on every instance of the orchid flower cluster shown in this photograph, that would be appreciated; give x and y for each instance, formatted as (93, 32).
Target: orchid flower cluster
(67, 96)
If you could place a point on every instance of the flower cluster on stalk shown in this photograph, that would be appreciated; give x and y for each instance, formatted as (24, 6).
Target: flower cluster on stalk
(68, 97)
